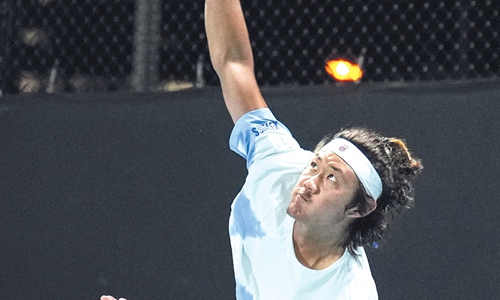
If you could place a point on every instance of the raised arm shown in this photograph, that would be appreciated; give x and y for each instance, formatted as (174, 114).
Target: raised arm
(231, 56)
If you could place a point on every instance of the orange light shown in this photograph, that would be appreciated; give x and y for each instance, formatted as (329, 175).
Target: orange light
(343, 70)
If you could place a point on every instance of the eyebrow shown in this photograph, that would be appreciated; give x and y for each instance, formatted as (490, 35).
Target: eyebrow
(334, 168)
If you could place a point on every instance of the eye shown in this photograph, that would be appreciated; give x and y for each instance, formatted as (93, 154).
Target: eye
(313, 165)
(332, 177)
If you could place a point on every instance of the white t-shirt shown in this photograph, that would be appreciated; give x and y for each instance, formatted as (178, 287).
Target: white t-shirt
(264, 260)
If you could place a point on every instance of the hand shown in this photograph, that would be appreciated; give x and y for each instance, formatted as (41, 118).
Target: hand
(110, 298)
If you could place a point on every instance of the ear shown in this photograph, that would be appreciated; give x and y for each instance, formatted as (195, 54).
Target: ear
(355, 212)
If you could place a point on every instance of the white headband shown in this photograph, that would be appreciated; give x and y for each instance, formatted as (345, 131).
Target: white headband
(359, 163)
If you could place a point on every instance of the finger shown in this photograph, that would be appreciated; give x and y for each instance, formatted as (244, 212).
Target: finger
(108, 298)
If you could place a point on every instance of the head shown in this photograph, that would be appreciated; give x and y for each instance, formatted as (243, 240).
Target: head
(325, 187)
(396, 168)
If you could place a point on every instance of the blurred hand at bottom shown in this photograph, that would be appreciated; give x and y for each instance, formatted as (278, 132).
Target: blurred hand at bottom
(110, 298)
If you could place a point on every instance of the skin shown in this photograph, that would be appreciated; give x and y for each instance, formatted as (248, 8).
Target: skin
(110, 298)
(324, 188)
(232, 57)
(318, 205)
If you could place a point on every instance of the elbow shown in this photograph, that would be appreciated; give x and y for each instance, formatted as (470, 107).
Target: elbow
(228, 63)
(223, 58)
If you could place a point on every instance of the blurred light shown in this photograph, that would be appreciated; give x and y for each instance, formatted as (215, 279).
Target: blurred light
(343, 70)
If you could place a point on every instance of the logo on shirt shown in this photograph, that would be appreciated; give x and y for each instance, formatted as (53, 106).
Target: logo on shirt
(270, 125)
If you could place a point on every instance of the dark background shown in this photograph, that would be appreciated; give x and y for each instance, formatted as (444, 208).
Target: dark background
(128, 194)
(92, 43)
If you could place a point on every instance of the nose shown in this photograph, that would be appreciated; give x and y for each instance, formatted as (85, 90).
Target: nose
(311, 184)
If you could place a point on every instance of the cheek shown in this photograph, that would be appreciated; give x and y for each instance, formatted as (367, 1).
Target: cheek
(327, 206)
(331, 210)
(334, 199)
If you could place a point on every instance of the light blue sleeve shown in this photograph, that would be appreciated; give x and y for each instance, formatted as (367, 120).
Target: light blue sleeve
(258, 134)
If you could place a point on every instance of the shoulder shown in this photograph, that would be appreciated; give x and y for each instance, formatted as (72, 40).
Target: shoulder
(361, 282)
(258, 134)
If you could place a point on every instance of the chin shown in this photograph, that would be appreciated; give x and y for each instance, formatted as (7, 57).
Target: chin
(293, 211)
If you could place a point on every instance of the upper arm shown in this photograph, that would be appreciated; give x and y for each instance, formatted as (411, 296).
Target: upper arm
(240, 90)
(231, 56)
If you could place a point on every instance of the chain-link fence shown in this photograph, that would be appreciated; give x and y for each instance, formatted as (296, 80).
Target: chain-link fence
(94, 45)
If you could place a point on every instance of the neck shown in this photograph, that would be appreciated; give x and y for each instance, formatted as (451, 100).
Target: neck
(318, 248)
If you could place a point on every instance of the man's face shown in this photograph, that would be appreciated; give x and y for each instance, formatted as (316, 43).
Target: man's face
(323, 190)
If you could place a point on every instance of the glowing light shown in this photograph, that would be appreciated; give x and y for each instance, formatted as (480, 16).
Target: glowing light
(343, 70)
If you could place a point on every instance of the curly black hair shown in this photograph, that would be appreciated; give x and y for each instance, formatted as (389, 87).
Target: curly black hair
(396, 167)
